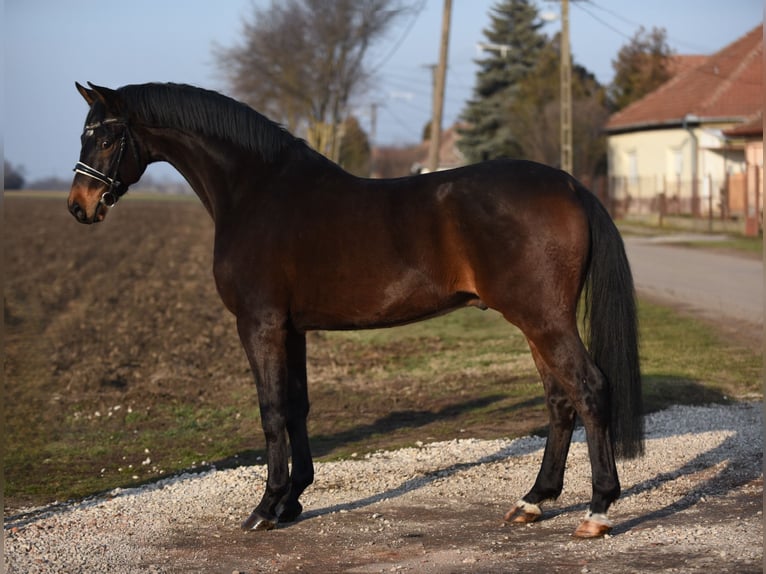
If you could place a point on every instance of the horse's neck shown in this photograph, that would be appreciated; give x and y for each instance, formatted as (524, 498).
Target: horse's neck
(211, 168)
(197, 158)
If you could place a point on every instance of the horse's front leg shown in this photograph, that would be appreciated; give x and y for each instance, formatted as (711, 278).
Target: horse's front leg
(297, 412)
(265, 342)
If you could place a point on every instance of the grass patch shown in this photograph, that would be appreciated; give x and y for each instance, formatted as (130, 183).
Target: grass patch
(745, 245)
(732, 243)
(684, 361)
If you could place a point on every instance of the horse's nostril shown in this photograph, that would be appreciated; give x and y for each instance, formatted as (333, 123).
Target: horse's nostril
(77, 211)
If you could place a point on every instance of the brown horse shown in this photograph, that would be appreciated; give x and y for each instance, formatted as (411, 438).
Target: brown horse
(300, 244)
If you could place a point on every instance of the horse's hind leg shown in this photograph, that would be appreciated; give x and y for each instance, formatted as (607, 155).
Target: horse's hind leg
(585, 386)
(550, 479)
(302, 474)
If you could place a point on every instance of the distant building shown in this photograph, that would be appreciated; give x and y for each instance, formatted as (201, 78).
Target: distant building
(400, 161)
(679, 150)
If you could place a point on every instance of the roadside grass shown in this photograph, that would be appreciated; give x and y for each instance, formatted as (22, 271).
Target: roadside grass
(467, 374)
(732, 243)
(745, 245)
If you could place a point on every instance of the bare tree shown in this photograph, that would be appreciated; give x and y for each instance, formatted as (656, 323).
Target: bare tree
(534, 114)
(300, 61)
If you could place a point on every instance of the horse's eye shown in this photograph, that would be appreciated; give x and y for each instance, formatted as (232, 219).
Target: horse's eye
(106, 144)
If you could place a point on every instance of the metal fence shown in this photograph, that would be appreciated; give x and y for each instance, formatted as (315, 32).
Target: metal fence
(736, 197)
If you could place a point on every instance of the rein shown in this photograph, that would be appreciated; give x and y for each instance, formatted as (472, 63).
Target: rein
(115, 187)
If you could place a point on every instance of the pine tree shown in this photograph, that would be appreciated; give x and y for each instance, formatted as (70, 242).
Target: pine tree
(515, 26)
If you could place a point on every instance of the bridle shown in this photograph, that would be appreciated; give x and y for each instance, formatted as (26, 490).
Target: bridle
(115, 187)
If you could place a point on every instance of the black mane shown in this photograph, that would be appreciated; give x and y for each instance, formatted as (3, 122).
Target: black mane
(210, 114)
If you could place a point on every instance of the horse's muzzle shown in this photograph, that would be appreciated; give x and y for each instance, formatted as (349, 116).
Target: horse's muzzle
(81, 215)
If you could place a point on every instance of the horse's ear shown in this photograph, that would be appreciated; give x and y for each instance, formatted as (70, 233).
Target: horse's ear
(110, 98)
(89, 95)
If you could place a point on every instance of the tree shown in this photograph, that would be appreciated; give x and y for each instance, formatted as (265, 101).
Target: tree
(354, 153)
(641, 66)
(301, 61)
(534, 115)
(13, 177)
(515, 42)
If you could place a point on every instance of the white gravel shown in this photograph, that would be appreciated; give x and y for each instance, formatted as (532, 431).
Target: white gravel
(699, 460)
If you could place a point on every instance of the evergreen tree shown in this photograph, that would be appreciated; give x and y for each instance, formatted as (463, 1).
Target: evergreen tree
(642, 65)
(515, 32)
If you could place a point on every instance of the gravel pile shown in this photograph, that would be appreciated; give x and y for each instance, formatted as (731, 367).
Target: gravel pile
(682, 498)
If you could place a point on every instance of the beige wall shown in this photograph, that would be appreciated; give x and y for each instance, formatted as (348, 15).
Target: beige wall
(646, 163)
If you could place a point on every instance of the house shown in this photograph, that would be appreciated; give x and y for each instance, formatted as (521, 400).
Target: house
(746, 188)
(677, 150)
(400, 161)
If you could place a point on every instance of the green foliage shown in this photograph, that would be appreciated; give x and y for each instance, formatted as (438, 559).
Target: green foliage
(516, 110)
(641, 66)
(534, 114)
(515, 24)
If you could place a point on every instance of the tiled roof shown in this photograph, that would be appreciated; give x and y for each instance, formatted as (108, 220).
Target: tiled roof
(752, 128)
(725, 86)
(681, 63)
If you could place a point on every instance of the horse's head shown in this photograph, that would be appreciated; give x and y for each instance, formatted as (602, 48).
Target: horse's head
(110, 159)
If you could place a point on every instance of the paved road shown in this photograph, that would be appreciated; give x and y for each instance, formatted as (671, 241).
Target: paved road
(719, 286)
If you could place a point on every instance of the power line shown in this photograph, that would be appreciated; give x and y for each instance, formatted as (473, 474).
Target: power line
(417, 11)
(637, 25)
(604, 22)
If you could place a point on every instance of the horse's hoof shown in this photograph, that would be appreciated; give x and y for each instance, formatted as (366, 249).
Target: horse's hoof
(523, 513)
(593, 526)
(290, 512)
(257, 522)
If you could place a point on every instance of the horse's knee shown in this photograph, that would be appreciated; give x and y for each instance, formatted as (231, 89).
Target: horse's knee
(273, 424)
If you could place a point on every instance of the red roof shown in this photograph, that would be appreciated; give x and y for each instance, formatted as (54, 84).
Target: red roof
(726, 86)
(680, 63)
(750, 129)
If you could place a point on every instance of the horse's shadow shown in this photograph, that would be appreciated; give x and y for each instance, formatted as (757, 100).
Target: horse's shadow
(520, 447)
(739, 470)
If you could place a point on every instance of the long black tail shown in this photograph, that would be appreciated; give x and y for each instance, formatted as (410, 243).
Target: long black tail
(610, 314)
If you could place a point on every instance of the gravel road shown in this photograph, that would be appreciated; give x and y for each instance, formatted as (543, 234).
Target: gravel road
(692, 504)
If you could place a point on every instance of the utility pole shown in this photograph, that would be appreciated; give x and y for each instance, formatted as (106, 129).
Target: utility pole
(439, 85)
(566, 91)
(373, 132)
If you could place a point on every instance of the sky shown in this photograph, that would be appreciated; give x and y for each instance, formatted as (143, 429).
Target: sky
(50, 44)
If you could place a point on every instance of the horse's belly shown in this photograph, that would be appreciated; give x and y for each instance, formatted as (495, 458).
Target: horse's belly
(355, 312)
